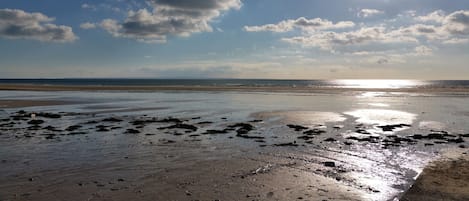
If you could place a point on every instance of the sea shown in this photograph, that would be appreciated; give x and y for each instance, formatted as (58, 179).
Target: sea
(340, 83)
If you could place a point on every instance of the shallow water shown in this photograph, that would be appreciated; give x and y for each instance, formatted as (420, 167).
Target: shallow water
(373, 170)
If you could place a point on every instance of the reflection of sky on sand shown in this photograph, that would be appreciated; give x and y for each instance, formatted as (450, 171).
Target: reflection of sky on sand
(381, 174)
(431, 125)
(303, 117)
(382, 116)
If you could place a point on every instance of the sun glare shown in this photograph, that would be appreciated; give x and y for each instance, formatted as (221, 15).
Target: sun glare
(377, 84)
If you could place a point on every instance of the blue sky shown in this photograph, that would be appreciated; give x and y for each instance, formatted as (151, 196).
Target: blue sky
(303, 39)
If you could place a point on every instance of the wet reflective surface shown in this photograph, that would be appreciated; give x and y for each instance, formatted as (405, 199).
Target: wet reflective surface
(351, 146)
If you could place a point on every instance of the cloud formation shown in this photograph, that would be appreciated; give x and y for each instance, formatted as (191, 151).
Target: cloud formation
(300, 23)
(87, 25)
(169, 17)
(18, 24)
(435, 27)
(369, 12)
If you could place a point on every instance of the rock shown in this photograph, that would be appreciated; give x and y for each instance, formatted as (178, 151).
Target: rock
(286, 144)
(224, 131)
(181, 126)
(49, 115)
(305, 137)
(362, 131)
(243, 128)
(256, 120)
(462, 146)
(392, 127)
(464, 135)
(143, 122)
(120, 180)
(112, 119)
(36, 122)
(297, 127)
(314, 132)
(51, 128)
(330, 140)
(132, 131)
(457, 140)
(329, 164)
(348, 143)
(249, 136)
(73, 128)
(170, 120)
(204, 122)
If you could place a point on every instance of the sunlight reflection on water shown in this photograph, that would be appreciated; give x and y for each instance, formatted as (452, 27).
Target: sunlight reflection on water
(382, 116)
(379, 84)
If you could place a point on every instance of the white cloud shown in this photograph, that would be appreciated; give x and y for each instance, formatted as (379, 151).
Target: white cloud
(369, 12)
(180, 18)
(300, 23)
(331, 40)
(18, 24)
(436, 16)
(87, 25)
(88, 6)
(434, 27)
(457, 23)
(423, 50)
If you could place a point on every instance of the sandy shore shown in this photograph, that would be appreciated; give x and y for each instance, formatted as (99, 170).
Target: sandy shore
(224, 146)
(28, 103)
(27, 87)
(446, 179)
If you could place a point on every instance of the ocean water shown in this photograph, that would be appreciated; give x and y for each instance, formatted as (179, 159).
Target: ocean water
(249, 82)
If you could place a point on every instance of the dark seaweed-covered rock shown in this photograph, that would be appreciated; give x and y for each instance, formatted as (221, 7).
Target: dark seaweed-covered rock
(51, 128)
(73, 128)
(142, 122)
(102, 128)
(36, 122)
(249, 136)
(243, 125)
(392, 127)
(77, 133)
(362, 131)
(224, 131)
(243, 128)
(297, 127)
(330, 140)
(314, 132)
(256, 120)
(457, 140)
(371, 139)
(169, 120)
(181, 126)
(464, 135)
(305, 137)
(204, 122)
(112, 119)
(132, 131)
(49, 115)
(329, 164)
(293, 144)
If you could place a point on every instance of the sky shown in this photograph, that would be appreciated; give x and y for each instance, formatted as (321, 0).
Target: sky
(269, 39)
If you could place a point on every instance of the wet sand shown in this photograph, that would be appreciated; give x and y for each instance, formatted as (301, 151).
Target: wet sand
(445, 179)
(30, 103)
(222, 146)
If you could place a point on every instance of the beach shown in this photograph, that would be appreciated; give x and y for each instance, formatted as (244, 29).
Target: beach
(77, 142)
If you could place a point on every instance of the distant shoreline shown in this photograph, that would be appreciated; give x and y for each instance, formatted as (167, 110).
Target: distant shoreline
(301, 89)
